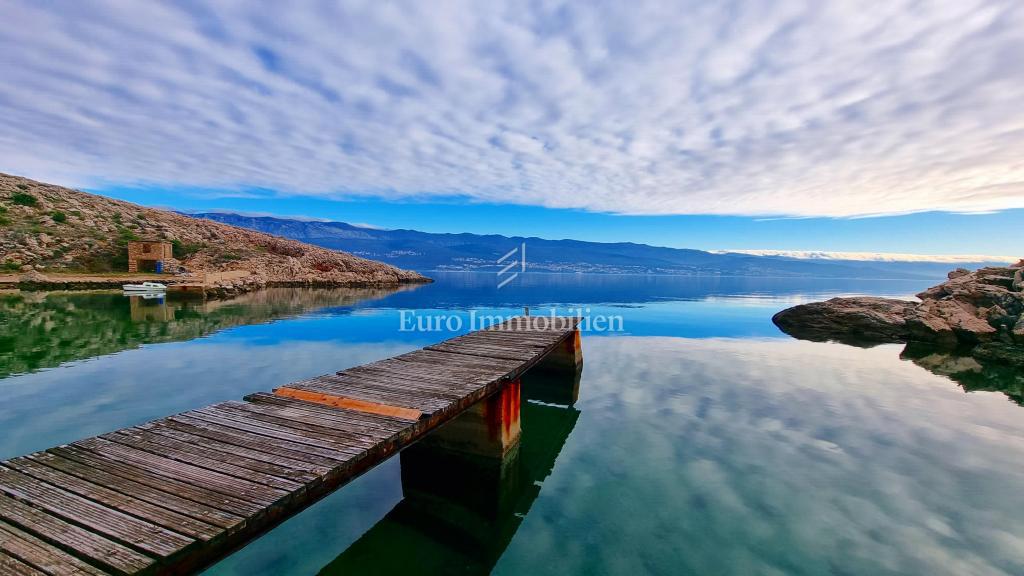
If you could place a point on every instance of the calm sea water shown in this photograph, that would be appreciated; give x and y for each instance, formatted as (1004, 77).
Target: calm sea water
(703, 440)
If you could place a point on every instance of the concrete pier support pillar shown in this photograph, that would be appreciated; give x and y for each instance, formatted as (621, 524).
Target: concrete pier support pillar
(489, 429)
(566, 358)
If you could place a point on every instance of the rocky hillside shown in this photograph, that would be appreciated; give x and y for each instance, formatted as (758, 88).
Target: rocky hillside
(47, 228)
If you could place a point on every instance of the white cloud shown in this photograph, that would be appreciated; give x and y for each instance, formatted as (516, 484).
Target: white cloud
(876, 256)
(253, 214)
(366, 225)
(785, 108)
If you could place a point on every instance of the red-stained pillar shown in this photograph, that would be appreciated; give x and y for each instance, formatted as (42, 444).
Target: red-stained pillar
(566, 358)
(490, 428)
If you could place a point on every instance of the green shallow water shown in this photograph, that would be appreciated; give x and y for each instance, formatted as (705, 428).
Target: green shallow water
(702, 441)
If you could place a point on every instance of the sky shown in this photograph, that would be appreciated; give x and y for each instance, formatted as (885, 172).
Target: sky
(787, 125)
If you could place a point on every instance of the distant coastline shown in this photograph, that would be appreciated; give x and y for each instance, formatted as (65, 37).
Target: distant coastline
(427, 251)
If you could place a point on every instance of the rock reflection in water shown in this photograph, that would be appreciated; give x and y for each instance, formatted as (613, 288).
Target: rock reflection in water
(971, 368)
(973, 374)
(460, 512)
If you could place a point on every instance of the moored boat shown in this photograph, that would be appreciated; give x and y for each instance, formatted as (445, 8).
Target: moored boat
(145, 287)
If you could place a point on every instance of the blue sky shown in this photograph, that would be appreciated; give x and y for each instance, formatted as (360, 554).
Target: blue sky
(673, 123)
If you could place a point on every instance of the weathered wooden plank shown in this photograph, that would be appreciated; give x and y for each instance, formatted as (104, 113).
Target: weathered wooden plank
(338, 401)
(419, 377)
(200, 457)
(391, 388)
(537, 323)
(255, 492)
(519, 335)
(225, 521)
(99, 551)
(338, 438)
(425, 380)
(116, 500)
(270, 429)
(421, 372)
(167, 483)
(439, 364)
(481, 352)
(492, 351)
(498, 342)
(516, 338)
(276, 416)
(384, 390)
(526, 345)
(452, 366)
(364, 398)
(340, 419)
(14, 567)
(46, 558)
(387, 392)
(243, 456)
(336, 420)
(149, 538)
(313, 446)
(449, 363)
(234, 437)
(372, 390)
(401, 382)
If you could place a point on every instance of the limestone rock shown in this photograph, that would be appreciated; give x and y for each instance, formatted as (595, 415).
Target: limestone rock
(948, 321)
(983, 309)
(855, 320)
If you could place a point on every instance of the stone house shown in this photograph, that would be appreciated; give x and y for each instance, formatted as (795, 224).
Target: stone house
(150, 255)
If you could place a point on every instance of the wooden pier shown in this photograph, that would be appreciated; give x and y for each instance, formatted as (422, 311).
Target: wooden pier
(173, 495)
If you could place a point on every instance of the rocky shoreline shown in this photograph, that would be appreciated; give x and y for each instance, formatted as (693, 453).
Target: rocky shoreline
(36, 281)
(979, 312)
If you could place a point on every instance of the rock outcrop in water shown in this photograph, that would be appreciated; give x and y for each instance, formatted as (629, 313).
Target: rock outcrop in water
(981, 310)
(852, 320)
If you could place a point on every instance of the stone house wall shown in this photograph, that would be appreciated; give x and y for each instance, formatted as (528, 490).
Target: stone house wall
(144, 250)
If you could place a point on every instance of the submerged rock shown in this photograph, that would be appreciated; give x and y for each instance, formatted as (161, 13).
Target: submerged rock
(981, 310)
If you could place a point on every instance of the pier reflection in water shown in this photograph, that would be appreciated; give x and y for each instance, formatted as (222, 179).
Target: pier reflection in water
(461, 507)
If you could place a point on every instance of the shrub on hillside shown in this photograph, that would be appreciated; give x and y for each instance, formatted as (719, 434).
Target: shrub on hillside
(182, 250)
(23, 199)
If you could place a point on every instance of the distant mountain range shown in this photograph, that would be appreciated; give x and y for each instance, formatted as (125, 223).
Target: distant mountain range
(424, 251)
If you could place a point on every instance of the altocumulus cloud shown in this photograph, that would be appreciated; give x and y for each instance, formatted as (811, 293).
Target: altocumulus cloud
(793, 108)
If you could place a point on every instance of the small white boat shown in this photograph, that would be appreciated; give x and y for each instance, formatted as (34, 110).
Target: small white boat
(145, 287)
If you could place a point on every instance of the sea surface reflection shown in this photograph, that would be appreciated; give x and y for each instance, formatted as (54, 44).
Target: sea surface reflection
(703, 441)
